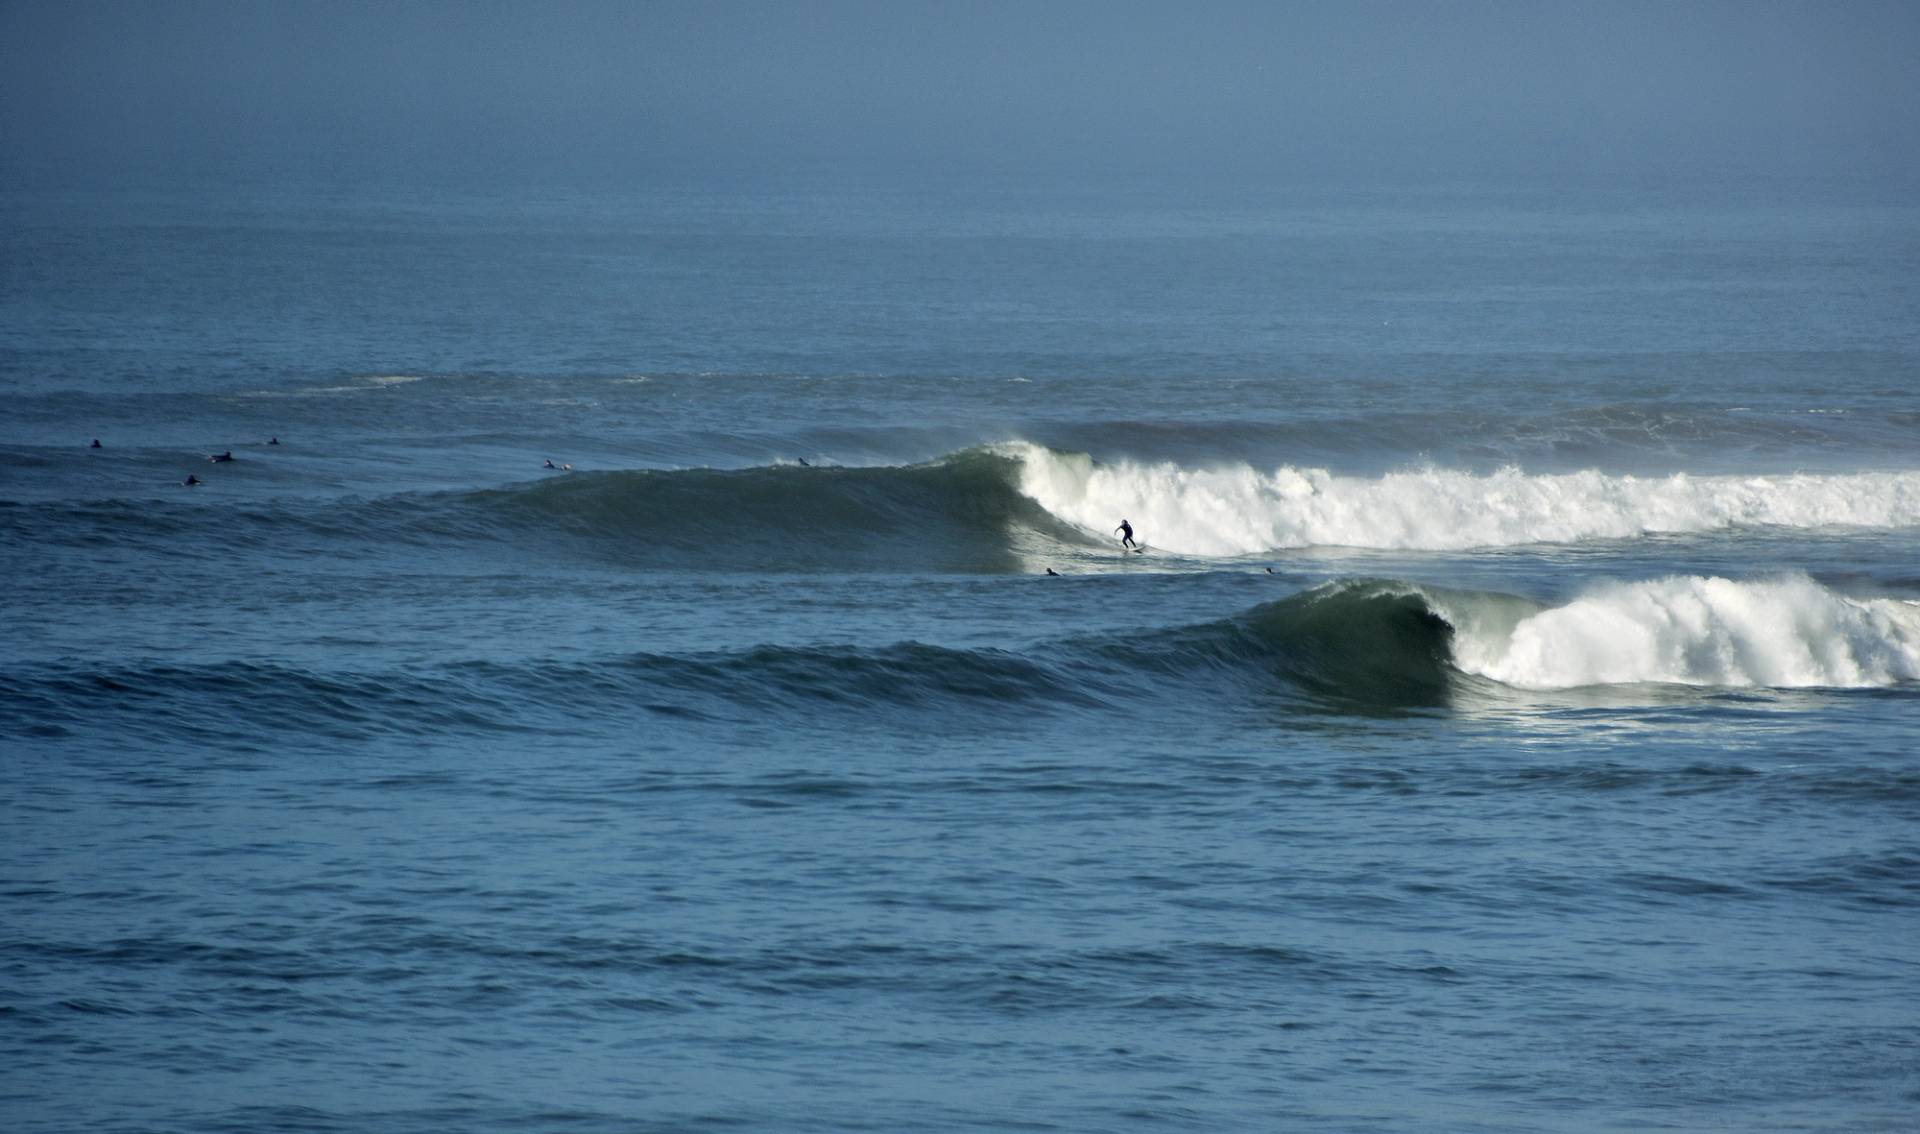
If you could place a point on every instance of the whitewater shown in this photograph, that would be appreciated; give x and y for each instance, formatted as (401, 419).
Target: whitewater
(1690, 630)
(1236, 509)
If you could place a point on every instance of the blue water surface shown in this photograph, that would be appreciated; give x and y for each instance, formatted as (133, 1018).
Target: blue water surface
(392, 781)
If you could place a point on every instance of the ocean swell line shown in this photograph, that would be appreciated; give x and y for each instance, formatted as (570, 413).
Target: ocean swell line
(1354, 645)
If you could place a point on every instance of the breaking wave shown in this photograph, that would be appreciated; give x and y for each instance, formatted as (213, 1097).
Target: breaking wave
(1234, 509)
(1694, 630)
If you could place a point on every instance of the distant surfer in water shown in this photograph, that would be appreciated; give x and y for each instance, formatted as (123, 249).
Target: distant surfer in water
(96, 444)
(221, 458)
(1052, 572)
(192, 481)
(1126, 534)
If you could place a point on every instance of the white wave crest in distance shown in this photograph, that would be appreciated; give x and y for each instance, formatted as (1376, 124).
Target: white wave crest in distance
(1235, 509)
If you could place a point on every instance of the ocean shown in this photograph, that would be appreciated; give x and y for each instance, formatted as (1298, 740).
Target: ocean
(660, 657)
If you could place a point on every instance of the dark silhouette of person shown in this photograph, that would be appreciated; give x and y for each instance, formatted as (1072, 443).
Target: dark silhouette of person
(192, 481)
(220, 458)
(1052, 572)
(96, 444)
(1126, 534)
(275, 441)
(803, 462)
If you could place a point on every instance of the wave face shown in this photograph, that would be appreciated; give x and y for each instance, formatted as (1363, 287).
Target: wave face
(960, 512)
(1235, 509)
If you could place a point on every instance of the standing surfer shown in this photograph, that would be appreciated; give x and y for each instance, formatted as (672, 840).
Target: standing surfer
(1126, 534)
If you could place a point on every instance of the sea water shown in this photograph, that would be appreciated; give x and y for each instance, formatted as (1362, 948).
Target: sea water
(1510, 725)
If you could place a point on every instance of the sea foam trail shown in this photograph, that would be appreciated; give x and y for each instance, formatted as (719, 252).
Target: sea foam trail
(1235, 509)
(1692, 630)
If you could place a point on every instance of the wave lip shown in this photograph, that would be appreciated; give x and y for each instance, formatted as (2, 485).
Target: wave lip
(1696, 630)
(1235, 509)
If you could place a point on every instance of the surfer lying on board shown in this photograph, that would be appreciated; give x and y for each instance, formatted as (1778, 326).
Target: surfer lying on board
(1126, 534)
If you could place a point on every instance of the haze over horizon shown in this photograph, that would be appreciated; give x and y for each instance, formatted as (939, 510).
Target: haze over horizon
(1221, 90)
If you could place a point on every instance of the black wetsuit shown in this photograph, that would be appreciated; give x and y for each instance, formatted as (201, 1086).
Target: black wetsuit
(1126, 534)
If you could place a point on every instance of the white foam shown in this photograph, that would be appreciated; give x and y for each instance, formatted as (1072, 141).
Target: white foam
(360, 385)
(1697, 630)
(1235, 509)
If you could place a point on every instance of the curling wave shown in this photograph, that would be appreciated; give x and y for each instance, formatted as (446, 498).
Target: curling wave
(1784, 633)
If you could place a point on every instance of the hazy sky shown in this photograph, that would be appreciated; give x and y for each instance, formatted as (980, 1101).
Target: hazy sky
(1271, 88)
